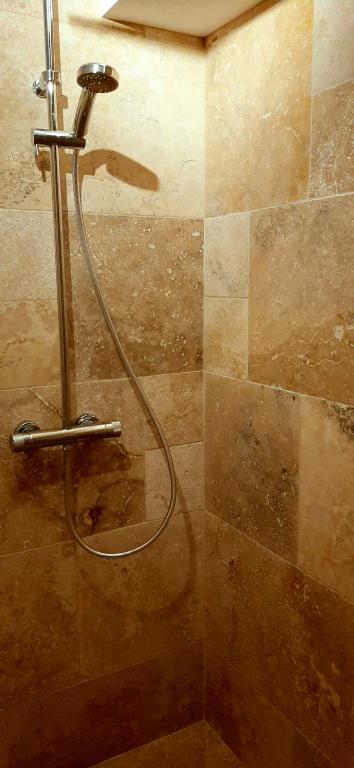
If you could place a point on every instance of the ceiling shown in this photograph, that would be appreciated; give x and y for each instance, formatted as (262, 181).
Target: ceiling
(193, 17)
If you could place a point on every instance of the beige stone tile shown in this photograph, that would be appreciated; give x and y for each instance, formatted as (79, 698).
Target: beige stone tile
(218, 755)
(31, 495)
(332, 155)
(27, 269)
(333, 53)
(110, 715)
(178, 403)
(256, 731)
(226, 255)
(151, 273)
(189, 465)
(3, 742)
(226, 336)
(257, 129)
(326, 503)
(252, 445)
(146, 605)
(291, 636)
(29, 350)
(109, 475)
(38, 635)
(22, 183)
(301, 298)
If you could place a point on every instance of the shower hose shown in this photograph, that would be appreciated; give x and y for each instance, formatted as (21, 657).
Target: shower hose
(137, 387)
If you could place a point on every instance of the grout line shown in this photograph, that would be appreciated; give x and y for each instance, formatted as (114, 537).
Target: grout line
(320, 398)
(332, 87)
(283, 560)
(262, 696)
(303, 201)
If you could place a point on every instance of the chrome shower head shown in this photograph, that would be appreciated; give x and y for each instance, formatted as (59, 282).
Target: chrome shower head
(93, 78)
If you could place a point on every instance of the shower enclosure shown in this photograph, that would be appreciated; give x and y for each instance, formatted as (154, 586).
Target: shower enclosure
(200, 195)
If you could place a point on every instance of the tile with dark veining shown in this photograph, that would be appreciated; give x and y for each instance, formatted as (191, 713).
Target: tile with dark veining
(226, 255)
(326, 494)
(332, 153)
(138, 607)
(333, 33)
(31, 495)
(252, 460)
(291, 636)
(189, 466)
(177, 400)
(258, 124)
(301, 311)
(3, 741)
(27, 267)
(226, 336)
(101, 718)
(257, 731)
(38, 634)
(29, 349)
(150, 271)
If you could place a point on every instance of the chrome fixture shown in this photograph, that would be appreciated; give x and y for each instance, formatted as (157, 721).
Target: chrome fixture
(93, 78)
(28, 436)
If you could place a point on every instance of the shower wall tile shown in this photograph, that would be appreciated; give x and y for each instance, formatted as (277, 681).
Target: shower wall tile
(178, 402)
(38, 632)
(226, 336)
(151, 273)
(226, 255)
(258, 110)
(189, 465)
(326, 503)
(110, 715)
(332, 154)
(3, 742)
(333, 55)
(147, 604)
(252, 462)
(29, 349)
(27, 269)
(290, 635)
(301, 323)
(252, 727)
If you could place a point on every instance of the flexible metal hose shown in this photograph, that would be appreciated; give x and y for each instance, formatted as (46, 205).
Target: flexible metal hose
(137, 386)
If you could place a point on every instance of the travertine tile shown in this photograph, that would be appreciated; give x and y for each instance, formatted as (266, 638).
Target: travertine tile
(29, 350)
(27, 269)
(291, 636)
(84, 725)
(301, 298)
(326, 502)
(226, 336)
(38, 634)
(148, 756)
(31, 496)
(145, 605)
(218, 755)
(178, 402)
(333, 53)
(258, 110)
(252, 461)
(332, 154)
(3, 742)
(226, 255)
(189, 466)
(151, 273)
(259, 734)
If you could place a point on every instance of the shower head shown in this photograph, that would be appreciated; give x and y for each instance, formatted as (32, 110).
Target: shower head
(93, 78)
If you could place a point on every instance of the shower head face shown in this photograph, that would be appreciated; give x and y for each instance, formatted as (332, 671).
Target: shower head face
(98, 78)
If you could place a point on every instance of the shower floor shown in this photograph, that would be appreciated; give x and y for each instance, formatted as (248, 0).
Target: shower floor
(194, 747)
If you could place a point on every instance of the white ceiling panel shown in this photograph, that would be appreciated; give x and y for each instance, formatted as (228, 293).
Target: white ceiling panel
(193, 17)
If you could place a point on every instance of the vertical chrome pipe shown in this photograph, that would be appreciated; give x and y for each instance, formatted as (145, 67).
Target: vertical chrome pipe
(52, 82)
